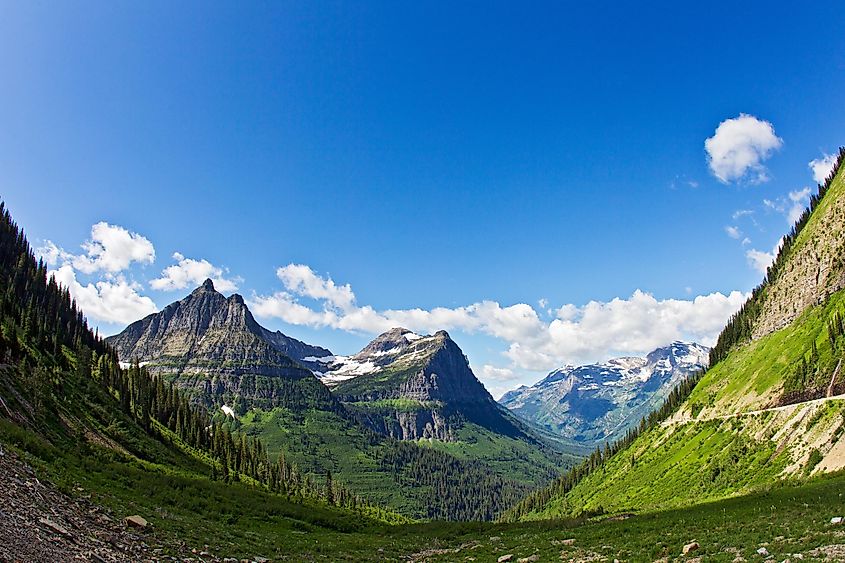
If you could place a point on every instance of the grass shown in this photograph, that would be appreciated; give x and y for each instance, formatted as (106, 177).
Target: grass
(787, 519)
(751, 376)
(395, 405)
(238, 521)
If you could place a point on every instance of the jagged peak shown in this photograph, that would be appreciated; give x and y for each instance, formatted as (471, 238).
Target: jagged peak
(207, 286)
(237, 298)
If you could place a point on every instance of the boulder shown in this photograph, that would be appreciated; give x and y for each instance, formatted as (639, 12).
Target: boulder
(503, 558)
(763, 551)
(570, 541)
(135, 521)
(836, 520)
(690, 547)
(54, 527)
(529, 559)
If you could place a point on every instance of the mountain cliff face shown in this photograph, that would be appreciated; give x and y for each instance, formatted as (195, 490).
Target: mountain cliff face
(212, 346)
(599, 402)
(410, 386)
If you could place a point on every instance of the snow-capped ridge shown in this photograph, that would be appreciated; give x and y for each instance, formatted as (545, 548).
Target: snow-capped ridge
(600, 401)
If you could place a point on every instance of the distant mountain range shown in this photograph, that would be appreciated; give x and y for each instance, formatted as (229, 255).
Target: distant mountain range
(595, 403)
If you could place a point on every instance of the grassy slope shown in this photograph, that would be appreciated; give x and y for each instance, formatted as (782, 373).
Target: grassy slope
(787, 520)
(700, 456)
(239, 521)
(751, 377)
(318, 440)
(694, 460)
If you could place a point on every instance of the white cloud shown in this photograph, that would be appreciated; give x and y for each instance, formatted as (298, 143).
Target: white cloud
(739, 146)
(498, 380)
(733, 232)
(799, 199)
(189, 272)
(741, 213)
(822, 167)
(112, 249)
(791, 206)
(111, 301)
(591, 332)
(302, 280)
(761, 260)
(52, 254)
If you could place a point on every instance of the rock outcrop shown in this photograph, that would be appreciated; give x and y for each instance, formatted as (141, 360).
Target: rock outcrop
(816, 268)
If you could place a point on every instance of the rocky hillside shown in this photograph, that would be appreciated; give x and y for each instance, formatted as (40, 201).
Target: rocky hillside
(771, 407)
(212, 346)
(595, 403)
(411, 386)
(816, 268)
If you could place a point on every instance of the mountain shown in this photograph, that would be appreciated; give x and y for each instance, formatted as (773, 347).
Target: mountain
(770, 406)
(84, 444)
(213, 347)
(595, 403)
(411, 386)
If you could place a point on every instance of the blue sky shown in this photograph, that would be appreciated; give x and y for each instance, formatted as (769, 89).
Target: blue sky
(453, 163)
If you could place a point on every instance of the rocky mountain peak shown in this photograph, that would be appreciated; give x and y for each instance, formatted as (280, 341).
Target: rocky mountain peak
(213, 344)
(393, 339)
(207, 285)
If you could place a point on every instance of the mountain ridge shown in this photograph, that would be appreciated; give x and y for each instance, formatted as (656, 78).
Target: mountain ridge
(599, 402)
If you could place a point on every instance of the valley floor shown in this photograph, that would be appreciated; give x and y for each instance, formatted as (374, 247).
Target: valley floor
(40, 523)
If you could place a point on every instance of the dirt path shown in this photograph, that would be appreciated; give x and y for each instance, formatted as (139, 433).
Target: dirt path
(672, 422)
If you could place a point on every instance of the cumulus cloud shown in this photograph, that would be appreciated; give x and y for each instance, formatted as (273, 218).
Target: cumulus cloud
(822, 167)
(302, 280)
(188, 272)
(761, 260)
(733, 232)
(112, 249)
(498, 380)
(108, 253)
(739, 146)
(114, 301)
(577, 333)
